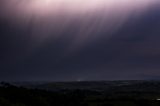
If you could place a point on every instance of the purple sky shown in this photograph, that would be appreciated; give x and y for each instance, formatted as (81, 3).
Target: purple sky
(79, 40)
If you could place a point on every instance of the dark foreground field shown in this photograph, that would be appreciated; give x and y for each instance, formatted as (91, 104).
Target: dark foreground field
(103, 93)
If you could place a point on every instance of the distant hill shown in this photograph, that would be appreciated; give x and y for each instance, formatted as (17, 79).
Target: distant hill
(94, 93)
(126, 85)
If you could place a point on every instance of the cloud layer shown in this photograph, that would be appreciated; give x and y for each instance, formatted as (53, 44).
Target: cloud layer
(79, 40)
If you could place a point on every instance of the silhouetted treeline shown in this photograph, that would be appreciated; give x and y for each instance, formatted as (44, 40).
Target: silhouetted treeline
(19, 96)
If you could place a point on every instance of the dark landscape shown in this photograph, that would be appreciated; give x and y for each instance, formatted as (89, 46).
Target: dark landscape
(85, 93)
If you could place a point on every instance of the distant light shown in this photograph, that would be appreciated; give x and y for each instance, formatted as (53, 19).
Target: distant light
(80, 80)
(81, 6)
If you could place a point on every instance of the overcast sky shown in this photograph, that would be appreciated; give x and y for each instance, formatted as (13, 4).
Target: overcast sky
(79, 40)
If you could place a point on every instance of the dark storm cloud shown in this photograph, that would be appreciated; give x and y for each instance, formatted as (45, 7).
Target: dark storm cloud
(131, 52)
